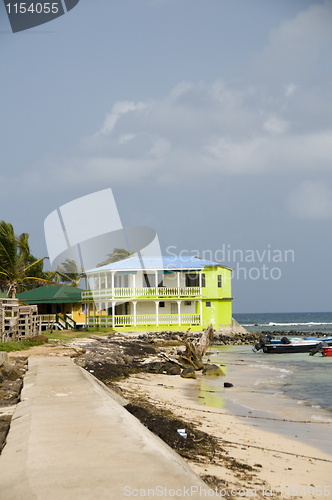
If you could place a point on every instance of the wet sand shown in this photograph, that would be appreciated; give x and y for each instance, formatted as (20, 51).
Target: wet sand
(281, 453)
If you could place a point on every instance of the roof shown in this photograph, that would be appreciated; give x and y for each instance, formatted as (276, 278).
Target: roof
(51, 294)
(3, 295)
(169, 262)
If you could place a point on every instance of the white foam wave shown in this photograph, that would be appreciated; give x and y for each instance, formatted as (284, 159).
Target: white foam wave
(311, 323)
(272, 323)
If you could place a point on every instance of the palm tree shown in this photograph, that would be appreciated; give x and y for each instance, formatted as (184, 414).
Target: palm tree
(17, 265)
(68, 273)
(118, 254)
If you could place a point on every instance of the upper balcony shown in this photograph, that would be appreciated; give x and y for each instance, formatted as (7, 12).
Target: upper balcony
(131, 293)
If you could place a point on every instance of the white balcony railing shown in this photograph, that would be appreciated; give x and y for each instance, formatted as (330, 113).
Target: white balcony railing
(145, 320)
(141, 292)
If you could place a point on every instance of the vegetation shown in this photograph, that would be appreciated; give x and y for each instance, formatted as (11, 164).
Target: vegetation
(118, 254)
(68, 273)
(19, 269)
(23, 345)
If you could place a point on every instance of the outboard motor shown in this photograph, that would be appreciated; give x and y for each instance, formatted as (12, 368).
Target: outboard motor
(318, 348)
(262, 342)
(285, 340)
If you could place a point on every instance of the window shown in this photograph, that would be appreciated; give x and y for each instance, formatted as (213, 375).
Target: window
(148, 280)
(187, 302)
(126, 281)
(208, 303)
(174, 308)
(192, 279)
(117, 281)
(83, 308)
(219, 281)
(203, 280)
(161, 304)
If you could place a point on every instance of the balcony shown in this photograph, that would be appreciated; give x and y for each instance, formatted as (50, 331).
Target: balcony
(145, 320)
(104, 294)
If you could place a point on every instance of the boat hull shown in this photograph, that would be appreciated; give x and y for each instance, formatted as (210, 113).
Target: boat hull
(291, 348)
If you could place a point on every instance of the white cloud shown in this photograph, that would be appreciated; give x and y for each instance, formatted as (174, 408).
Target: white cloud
(312, 200)
(119, 108)
(290, 89)
(237, 126)
(295, 46)
(275, 125)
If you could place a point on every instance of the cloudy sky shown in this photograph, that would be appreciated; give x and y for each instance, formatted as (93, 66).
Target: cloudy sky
(211, 120)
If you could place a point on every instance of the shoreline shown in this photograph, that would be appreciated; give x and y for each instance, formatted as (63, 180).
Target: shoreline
(247, 454)
(274, 461)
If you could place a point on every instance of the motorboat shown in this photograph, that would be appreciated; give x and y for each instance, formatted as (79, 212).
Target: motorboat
(291, 345)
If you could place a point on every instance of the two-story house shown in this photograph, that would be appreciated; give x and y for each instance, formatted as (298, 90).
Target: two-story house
(160, 293)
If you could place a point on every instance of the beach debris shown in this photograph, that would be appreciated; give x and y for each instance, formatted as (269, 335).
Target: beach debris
(100, 339)
(182, 433)
(195, 349)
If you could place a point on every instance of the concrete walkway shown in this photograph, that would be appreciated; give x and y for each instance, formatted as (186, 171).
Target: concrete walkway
(70, 438)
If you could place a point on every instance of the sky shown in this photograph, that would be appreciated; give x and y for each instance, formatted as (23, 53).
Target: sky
(211, 120)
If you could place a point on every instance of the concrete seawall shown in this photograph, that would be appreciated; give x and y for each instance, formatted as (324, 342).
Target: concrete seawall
(70, 438)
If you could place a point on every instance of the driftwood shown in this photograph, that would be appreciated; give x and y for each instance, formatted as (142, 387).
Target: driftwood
(195, 349)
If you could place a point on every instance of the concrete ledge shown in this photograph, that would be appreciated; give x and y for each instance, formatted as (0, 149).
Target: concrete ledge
(70, 439)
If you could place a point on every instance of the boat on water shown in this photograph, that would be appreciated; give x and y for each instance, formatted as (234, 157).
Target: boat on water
(285, 345)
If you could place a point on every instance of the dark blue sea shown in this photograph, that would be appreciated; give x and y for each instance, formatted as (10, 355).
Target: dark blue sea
(308, 322)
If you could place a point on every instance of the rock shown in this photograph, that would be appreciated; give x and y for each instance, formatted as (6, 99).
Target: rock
(13, 385)
(212, 370)
(228, 384)
(100, 339)
(128, 359)
(10, 372)
(38, 338)
(119, 360)
(168, 368)
(171, 368)
(188, 373)
(3, 357)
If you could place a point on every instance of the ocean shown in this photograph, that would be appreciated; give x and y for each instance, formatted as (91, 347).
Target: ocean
(277, 388)
(304, 378)
(286, 322)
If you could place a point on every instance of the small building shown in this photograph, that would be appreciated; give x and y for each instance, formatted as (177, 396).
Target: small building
(58, 305)
(163, 293)
(17, 322)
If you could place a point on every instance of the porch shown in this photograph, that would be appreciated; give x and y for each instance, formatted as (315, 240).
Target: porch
(137, 314)
(141, 293)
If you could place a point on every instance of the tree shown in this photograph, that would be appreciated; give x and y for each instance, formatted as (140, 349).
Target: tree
(68, 273)
(118, 254)
(17, 265)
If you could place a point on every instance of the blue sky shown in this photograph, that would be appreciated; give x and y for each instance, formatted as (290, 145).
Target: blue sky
(210, 120)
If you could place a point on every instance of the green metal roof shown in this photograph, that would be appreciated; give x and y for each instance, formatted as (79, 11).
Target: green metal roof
(3, 295)
(51, 294)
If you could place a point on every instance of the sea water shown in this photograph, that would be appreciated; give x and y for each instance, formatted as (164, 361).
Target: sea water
(310, 323)
(290, 394)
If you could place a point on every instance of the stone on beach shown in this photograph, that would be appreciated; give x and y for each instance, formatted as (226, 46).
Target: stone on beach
(213, 370)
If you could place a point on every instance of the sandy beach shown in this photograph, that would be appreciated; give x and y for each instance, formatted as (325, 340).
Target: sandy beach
(272, 465)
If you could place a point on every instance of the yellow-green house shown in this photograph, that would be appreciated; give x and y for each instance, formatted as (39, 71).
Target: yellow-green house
(160, 293)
